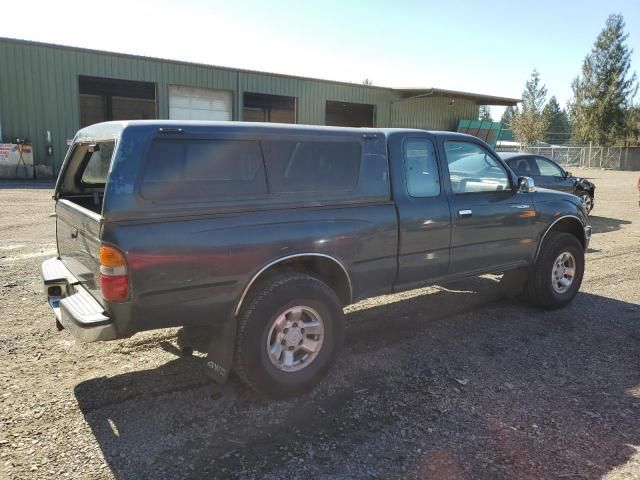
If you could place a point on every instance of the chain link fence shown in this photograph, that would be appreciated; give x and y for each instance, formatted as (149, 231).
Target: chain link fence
(581, 156)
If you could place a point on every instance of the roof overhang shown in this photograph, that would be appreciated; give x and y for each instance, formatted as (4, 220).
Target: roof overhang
(480, 99)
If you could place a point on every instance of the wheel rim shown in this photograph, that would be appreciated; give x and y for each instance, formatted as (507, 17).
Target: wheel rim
(295, 338)
(563, 273)
(586, 201)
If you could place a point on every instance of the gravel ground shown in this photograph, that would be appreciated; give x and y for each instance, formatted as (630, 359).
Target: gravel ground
(433, 383)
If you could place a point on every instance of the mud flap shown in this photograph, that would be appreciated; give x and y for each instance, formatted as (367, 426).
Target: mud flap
(221, 349)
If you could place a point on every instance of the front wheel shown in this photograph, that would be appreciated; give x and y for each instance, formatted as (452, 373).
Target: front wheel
(587, 201)
(557, 274)
(289, 335)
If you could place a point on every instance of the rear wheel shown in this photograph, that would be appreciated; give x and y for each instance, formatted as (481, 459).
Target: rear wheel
(557, 274)
(289, 335)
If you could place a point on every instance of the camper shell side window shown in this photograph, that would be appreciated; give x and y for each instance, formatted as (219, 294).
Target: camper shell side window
(260, 170)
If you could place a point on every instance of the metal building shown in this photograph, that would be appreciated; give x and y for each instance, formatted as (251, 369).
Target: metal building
(48, 92)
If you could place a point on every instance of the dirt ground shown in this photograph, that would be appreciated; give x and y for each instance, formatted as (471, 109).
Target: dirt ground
(436, 383)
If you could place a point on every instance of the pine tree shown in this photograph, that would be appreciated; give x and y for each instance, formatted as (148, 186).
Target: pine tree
(485, 113)
(558, 130)
(603, 94)
(507, 115)
(633, 118)
(530, 123)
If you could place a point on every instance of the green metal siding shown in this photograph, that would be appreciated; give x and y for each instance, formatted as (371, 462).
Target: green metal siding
(433, 113)
(312, 95)
(39, 92)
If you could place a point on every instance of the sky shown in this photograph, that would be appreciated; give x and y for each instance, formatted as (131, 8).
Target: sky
(482, 47)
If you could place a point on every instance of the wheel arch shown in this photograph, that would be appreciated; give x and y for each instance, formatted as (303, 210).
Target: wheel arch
(566, 224)
(322, 266)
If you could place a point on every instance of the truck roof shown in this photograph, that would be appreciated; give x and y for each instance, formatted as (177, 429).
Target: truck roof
(115, 128)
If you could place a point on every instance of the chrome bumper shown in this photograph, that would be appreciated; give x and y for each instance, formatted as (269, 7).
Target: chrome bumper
(74, 307)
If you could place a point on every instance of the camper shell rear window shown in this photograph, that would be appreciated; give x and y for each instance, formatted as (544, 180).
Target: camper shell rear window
(96, 163)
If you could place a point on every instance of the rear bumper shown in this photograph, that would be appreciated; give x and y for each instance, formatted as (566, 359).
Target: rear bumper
(74, 307)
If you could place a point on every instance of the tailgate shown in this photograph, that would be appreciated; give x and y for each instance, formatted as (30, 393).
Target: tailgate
(78, 235)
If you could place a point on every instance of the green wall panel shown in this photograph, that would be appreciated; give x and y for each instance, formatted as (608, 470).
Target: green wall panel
(433, 113)
(39, 92)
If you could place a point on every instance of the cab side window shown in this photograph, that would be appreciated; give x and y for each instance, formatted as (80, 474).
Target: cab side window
(547, 168)
(421, 168)
(524, 166)
(472, 169)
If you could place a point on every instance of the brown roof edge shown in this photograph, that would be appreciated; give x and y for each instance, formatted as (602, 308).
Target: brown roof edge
(480, 99)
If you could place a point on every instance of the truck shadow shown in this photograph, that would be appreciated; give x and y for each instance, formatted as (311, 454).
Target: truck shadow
(440, 383)
(606, 224)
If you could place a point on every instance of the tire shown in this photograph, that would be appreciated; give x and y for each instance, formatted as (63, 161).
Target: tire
(586, 199)
(546, 286)
(262, 330)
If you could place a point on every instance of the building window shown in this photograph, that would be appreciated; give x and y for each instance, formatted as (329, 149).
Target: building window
(342, 114)
(104, 99)
(259, 107)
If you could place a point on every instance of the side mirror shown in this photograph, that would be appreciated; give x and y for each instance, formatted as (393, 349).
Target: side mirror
(567, 175)
(526, 185)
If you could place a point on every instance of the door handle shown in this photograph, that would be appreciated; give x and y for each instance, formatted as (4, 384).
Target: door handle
(465, 213)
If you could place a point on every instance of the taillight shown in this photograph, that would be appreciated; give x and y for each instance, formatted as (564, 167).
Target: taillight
(114, 280)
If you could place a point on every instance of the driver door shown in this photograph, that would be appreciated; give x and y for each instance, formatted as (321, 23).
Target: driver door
(492, 225)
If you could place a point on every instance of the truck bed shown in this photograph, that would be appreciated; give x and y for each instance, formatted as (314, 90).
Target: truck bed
(90, 201)
(78, 230)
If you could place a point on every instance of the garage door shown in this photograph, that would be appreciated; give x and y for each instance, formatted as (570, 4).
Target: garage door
(189, 103)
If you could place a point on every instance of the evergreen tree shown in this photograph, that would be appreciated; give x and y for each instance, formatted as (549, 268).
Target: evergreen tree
(633, 118)
(530, 123)
(558, 130)
(485, 113)
(603, 94)
(507, 115)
